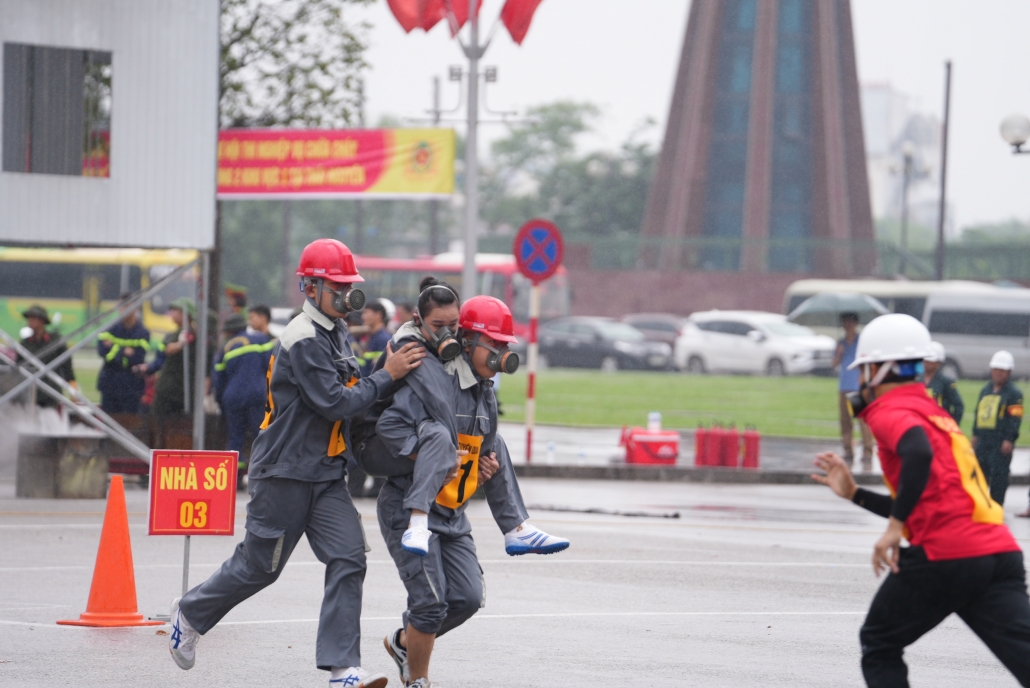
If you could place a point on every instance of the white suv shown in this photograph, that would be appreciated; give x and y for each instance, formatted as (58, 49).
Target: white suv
(751, 342)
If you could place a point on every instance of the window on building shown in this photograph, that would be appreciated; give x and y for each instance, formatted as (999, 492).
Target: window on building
(724, 196)
(790, 212)
(57, 111)
(980, 323)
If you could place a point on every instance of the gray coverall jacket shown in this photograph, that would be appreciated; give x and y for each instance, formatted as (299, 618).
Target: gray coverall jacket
(446, 587)
(297, 486)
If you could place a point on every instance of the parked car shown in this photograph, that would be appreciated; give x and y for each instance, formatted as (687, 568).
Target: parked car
(584, 342)
(657, 327)
(751, 342)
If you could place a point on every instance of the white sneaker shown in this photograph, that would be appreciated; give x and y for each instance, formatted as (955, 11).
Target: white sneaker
(416, 540)
(420, 683)
(183, 641)
(528, 539)
(356, 677)
(392, 643)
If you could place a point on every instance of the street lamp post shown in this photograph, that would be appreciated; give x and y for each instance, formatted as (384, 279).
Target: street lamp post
(907, 151)
(473, 52)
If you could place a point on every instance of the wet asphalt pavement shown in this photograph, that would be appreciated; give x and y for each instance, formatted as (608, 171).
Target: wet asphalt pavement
(751, 585)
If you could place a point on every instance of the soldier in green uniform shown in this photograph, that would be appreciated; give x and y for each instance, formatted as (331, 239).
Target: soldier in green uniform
(43, 344)
(996, 426)
(940, 386)
(170, 389)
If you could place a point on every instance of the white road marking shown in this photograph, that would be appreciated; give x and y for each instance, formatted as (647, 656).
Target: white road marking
(570, 615)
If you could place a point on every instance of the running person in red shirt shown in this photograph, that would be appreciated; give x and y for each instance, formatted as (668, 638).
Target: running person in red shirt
(961, 557)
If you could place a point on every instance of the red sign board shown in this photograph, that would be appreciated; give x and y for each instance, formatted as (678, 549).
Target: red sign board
(538, 249)
(192, 492)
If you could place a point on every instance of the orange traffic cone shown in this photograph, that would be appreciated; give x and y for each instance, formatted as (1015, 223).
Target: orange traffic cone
(112, 596)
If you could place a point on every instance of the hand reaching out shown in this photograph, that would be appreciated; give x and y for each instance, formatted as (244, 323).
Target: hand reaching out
(838, 476)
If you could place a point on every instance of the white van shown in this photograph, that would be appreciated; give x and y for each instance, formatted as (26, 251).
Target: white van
(973, 326)
(971, 319)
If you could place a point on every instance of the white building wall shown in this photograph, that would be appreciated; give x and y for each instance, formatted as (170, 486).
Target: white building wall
(164, 126)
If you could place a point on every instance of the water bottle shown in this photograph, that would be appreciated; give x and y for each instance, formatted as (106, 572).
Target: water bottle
(654, 421)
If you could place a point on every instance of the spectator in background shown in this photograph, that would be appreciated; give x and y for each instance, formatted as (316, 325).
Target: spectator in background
(996, 424)
(373, 342)
(123, 347)
(240, 374)
(844, 357)
(405, 313)
(258, 319)
(170, 388)
(46, 347)
(941, 386)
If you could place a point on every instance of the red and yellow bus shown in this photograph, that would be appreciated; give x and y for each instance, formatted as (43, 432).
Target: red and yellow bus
(397, 279)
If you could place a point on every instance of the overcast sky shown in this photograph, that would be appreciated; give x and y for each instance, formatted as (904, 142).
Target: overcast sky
(622, 55)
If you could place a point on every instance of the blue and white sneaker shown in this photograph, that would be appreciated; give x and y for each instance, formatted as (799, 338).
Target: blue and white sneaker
(183, 641)
(416, 540)
(398, 654)
(528, 539)
(356, 677)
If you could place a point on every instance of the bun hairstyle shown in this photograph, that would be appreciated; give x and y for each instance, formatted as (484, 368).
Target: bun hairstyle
(433, 294)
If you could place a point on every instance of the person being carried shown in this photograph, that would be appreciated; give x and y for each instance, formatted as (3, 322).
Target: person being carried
(174, 354)
(961, 557)
(446, 409)
(297, 474)
(941, 387)
(483, 323)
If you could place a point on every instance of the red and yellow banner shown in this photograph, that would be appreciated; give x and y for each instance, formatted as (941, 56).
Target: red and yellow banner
(333, 163)
(192, 492)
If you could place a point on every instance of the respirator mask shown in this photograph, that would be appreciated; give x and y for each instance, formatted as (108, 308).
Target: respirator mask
(500, 360)
(443, 342)
(345, 301)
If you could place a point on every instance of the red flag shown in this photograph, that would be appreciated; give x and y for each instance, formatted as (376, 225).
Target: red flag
(436, 10)
(407, 12)
(517, 15)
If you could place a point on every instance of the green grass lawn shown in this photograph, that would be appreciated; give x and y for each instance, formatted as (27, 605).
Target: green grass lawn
(792, 406)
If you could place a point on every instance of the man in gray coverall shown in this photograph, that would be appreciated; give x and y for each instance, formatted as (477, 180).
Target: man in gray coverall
(298, 473)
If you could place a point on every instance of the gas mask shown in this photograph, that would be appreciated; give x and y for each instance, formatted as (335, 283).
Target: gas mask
(442, 342)
(500, 360)
(343, 301)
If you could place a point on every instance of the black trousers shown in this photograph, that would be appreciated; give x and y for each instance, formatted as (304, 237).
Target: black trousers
(988, 593)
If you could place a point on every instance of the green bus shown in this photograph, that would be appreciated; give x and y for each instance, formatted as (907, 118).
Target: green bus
(79, 283)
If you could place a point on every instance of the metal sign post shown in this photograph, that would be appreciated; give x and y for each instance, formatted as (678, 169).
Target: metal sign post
(538, 250)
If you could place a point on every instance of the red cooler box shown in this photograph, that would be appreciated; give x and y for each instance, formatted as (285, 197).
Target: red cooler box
(644, 446)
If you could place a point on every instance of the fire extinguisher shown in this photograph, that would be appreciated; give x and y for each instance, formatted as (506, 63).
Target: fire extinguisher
(731, 447)
(752, 444)
(713, 453)
(701, 446)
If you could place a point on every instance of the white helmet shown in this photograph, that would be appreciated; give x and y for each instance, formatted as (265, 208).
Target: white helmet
(938, 354)
(892, 337)
(1003, 360)
(391, 310)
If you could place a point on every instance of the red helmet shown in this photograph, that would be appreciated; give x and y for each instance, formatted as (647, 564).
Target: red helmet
(489, 316)
(328, 259)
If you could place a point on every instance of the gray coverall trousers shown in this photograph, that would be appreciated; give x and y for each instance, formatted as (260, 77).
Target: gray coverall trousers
(445, 587)
(279, 513)
(502, 491)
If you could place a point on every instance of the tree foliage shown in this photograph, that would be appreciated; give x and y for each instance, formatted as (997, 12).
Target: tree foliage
(536, 171)
(290, 63)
